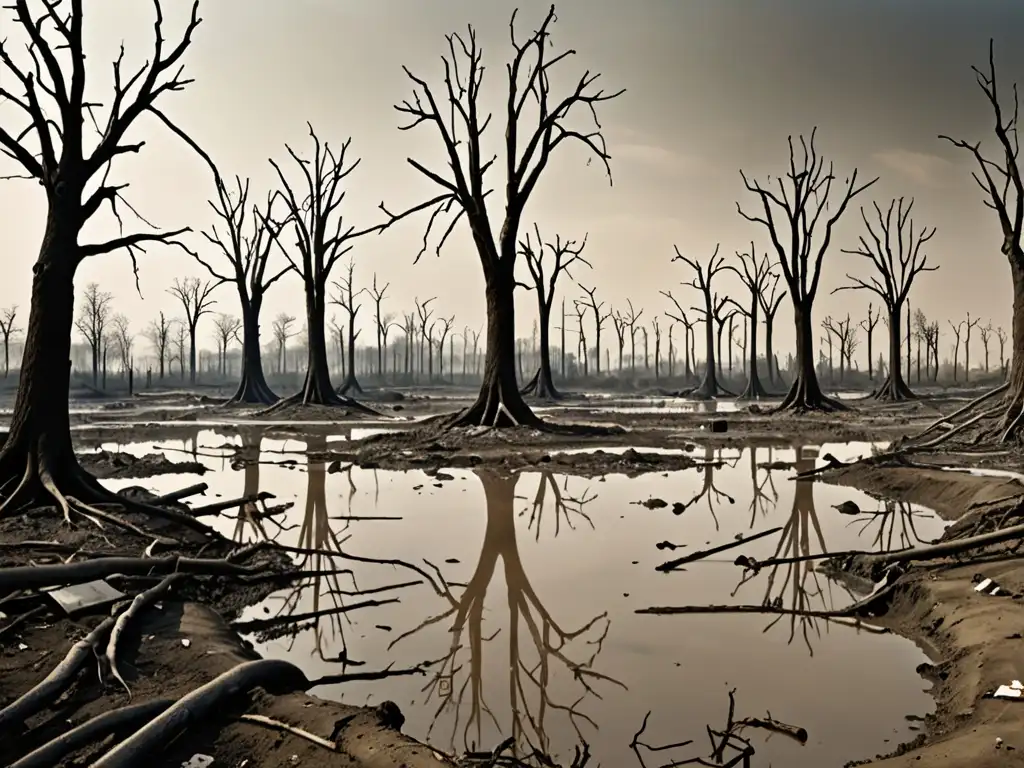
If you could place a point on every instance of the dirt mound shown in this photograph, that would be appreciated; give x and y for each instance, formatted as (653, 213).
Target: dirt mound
(106, 465)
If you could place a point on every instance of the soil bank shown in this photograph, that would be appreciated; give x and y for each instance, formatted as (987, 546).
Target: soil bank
(976, 642)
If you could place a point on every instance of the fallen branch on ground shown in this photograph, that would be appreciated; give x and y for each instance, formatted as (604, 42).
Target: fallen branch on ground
(278, 725)
(671, 565)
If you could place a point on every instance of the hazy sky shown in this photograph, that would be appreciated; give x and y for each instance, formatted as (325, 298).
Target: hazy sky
(713, 86)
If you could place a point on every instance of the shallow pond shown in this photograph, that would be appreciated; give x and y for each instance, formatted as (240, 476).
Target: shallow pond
(536, 634)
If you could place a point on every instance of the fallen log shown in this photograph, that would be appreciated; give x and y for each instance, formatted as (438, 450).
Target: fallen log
(129, 718)
(219, 506)
(184, 493)
(44, 693)
(671, 565)
(39, 576)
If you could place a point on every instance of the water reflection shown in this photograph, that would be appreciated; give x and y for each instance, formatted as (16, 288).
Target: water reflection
(247, 459)
(708, 490)
(457, 688)
(567, 508)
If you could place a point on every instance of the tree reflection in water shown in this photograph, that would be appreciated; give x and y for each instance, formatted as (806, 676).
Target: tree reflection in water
(894, 524)
(802, 586)
(461, 671)
(566, 507)
(247, 459)
(708, 489)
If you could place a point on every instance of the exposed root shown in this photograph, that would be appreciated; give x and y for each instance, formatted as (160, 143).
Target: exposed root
(252, 390)
(979, 424)
(279, 726)
(333, 399)
(806, 396)
(126, 719)
(141, 600)
(894, 391)
(541, 387)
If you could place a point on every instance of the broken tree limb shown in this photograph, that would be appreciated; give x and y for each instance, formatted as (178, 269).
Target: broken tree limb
(38, 576)
(278, 725)
(129, 718)
(44, 693)
(141, 601)
(219, 506)
(943, 548)
(184, 493)
(671, 565)
(769, 723)
(260, 625)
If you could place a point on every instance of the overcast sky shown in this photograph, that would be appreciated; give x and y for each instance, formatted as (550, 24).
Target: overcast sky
(713, 86)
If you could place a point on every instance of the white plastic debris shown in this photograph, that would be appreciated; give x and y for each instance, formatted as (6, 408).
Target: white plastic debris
(22, 647)
(1012, 691)
(198, 760)
(186, 642)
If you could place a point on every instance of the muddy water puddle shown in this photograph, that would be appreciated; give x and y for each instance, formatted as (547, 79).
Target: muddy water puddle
(531, 620)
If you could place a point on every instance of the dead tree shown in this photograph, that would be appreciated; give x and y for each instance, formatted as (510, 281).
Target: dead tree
(868, 326)
(1003, 186)
(894, 250)
(180, 341)
(841, 331)
(968, 326)
(92, 323)
(159, 333)
(619, 328)
(460, 123)
(194, 296)
(8, 329)
(770, 300)
(755, 274)
(805, 193)
(680, 317)
(600, 318)
(321, 239)
(581, 341)
(657, 348)
(446, 326)
(346, 297)
(986, 339)
(38, 463)
(381, 324)
(725, 310)
(563, 254)
(630, 321)
(1001, 335)
(424, 314)
(245, 242)
(123, 340)
(227, 327)
(703, 278)
(282, 328)
(408, 327)
(958, 329)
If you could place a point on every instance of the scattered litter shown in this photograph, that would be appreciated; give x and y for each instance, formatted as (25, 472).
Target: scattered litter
(719, 425)
(186, 642)
(91, 594)
(652, 503)
(990, 587)
(668, 545)
(1012, 691)
(198, 760)
(22, 647)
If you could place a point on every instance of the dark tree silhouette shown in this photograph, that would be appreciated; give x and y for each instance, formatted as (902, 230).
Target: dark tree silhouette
(194, 296)
(382, 324)
(1003, 186)
(527, 151)
(770, 300)
(228, 327)
(92, 323)
(322, 238)
(703, 281)
(803, 197)
(9, 329)
(755, 274)
(894, 250)
(601, 316)
(563, 254)
(868, 326)
(245, 242)
(969, 325)
(425, 333)
(679, 317)
(958, 330)
(986, 340)
(282, 328)
(446, 327)
(159, 335)
(629, 321)
(346, 296)
(38, 464)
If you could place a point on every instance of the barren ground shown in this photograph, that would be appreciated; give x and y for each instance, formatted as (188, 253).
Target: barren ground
(974, 640)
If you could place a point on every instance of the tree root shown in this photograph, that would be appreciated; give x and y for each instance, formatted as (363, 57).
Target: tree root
(274, 675)
(129, 718)
(331, 399)
(141, 601)
(252, 391)
(279, 726)
(540, 388)
(894, 391)
(1007, 419)
(47, 691)
(77, 492)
